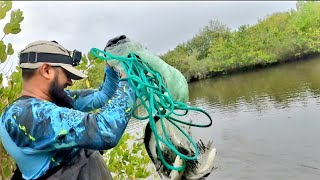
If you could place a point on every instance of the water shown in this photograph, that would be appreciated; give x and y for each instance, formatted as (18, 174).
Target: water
(266, 123)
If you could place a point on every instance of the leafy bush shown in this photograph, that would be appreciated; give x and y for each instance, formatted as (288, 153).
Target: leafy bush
(279, 37)
(129, 159)
(10, 92)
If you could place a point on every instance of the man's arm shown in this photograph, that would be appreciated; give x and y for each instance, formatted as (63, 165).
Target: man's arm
(88, 100)
(70, 128)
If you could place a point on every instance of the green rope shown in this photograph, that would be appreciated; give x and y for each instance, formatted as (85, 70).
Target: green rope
(148, 86)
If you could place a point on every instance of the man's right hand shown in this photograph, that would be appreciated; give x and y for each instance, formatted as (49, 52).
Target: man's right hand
(123, 74)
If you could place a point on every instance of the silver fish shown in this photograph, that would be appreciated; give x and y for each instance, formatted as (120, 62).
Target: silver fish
(195, 169)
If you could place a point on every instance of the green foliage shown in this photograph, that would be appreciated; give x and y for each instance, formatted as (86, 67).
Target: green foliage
(13, 26)
(7, 95)
(202, 42)
(10, 92)
(10, 51)
(95, 70)
(129, 159)
(5, 6)
(279, 37)
(3, 54)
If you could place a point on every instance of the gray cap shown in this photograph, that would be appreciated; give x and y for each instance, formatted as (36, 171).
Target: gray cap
(49, 52)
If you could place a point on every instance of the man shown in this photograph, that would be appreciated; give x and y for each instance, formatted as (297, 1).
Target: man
(49, 131)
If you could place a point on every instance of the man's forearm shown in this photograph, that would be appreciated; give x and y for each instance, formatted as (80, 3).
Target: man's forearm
(88, 100)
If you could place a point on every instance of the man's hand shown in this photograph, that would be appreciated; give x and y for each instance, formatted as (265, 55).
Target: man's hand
(123, 74)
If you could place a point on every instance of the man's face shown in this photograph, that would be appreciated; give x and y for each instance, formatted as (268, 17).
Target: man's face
(56, 90)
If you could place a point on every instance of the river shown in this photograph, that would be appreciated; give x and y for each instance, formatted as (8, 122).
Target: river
(266, 123)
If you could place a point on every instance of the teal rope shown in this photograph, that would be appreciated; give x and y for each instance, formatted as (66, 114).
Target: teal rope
(148, 86)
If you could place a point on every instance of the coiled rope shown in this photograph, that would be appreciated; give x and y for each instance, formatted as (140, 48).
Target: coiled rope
(157, 101)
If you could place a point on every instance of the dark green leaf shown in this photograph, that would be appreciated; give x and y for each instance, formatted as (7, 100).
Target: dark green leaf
(15, 31)
(5, 6)
(2, 13)
(8, 6)
(10, 50)
(84, 60)
(14, 25)
(7, 28)
(3, 57)
(95, 59)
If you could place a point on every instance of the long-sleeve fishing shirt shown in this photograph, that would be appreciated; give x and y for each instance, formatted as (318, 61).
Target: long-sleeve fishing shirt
(40, 135)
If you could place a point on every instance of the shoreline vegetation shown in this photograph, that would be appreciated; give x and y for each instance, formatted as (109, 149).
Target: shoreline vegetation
(281, 37)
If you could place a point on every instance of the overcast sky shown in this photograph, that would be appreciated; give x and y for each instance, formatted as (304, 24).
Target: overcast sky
(159, 26)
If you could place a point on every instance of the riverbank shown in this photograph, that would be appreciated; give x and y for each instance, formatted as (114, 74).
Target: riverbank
(254, 67)
(278, 38)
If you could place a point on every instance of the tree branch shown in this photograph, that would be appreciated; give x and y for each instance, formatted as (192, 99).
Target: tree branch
(1, 170)
(3, 37)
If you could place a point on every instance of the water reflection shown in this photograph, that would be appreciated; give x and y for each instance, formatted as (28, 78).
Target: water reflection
(265, 122)
(281, 84)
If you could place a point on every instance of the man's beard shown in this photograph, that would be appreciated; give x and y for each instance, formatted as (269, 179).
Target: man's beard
(59, 96)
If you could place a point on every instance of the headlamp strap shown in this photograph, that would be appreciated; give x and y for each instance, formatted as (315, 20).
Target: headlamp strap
(34, 57)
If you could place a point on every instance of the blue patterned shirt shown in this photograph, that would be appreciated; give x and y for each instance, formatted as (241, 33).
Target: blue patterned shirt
(49, 134)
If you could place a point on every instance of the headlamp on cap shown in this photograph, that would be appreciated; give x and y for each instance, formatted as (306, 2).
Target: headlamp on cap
(76, 57)
(33, 57)
(52, 53)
